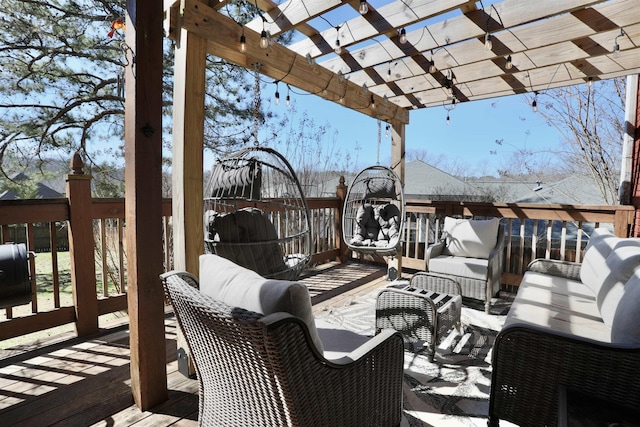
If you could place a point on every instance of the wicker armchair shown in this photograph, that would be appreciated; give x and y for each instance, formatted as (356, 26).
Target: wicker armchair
(256, 370)
(479, 275)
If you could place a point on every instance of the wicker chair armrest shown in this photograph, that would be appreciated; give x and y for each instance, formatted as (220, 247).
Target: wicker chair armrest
(187, 277)
(433, 251)
(387, 337)
(436, 282)
(365, 390)
(552, 267)
(531, 362)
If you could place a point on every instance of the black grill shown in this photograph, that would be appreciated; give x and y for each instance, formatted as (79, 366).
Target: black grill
(15, 286)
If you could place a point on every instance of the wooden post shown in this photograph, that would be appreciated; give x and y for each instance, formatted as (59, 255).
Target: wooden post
(83, 270)
(143, 201)
(633, 129)
(394, 264)
(187, 166)
(343, 250)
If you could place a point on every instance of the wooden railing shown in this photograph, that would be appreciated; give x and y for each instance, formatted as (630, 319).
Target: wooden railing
(550, 231)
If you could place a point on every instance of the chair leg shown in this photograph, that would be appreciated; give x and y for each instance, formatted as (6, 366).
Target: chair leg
(487, 307)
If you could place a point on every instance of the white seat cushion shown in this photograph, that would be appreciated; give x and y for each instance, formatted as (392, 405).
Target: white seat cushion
(561, 304)
(473, 268)
(237, 286)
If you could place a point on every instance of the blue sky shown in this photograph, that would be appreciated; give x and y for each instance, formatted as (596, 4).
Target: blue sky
(469, 138)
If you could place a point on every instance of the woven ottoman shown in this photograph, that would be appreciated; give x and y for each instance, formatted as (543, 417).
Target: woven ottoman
(423, 311)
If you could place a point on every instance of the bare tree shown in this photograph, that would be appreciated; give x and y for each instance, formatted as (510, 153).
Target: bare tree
(591, 120)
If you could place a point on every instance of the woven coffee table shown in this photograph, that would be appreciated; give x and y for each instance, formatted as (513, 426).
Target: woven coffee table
(423, 311)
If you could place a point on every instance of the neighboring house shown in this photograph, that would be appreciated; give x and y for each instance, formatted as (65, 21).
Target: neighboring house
(426, 182)
(43, 191)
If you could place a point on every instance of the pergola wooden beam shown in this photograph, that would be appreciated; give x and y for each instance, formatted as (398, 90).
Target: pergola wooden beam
(281, 64)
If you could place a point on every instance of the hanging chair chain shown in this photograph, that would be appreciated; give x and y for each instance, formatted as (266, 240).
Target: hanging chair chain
(256, 104)
(379, 140)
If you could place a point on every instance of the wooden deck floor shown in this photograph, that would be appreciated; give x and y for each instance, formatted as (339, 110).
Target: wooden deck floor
(83, 382)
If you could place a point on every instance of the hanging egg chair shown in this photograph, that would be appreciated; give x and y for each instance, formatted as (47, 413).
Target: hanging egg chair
(256, 214)
(374, 213)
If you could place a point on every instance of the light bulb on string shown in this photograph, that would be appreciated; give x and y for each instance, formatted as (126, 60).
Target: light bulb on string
(403, 36)
(534, 105)
(288, 99)
(432, 66)
(277, 95)
(337, 49)
(448, 119)
(264, 41)
(386, 131)
(590, 81)
(488, 44)
(373, 103)
(509, 64)
(364, 7)
(243, 42)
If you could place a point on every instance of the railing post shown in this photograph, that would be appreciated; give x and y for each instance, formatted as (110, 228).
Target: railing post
(81, 250)
(343, 250)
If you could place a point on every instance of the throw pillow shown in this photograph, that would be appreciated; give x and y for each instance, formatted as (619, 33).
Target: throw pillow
(470, 238)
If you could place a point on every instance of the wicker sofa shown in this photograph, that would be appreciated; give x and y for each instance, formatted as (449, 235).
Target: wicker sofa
(262, 360)
(572, 328)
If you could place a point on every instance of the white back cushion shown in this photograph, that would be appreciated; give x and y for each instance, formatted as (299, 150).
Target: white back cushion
(594, 267)
(470, 238)
(626, 328)
(237, 286)
(621, 264)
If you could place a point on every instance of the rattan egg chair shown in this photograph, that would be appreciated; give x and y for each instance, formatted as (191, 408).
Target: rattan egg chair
(374, 213)
(256, 214)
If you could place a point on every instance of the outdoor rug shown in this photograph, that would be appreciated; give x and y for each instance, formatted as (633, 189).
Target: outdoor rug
(454, 389)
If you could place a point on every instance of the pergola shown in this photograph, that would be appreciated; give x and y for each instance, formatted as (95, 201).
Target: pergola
(394, 57)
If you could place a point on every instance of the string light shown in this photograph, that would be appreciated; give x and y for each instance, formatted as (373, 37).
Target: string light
(488, 44)
(432, 66)
(365, 89)
(389, 72)
(288, 99)
(364, 7)
(403, 36)
(448, 119)
(373, 103)
(337, 49)
(277, 95)
(243, 42)
(386, 131)
(590, 81)
(310, 60)
(453, 102)
(264, 41)
(509, 64)
(616, 46)
(534, 105)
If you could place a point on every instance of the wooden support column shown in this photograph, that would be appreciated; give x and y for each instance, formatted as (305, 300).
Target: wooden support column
(397, 164)
(187, 165)
(632, 137)
(188, 144)
(143, 201)
(83, 268)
